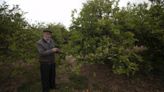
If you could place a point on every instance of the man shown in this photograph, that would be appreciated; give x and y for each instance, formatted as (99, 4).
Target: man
(46, 49)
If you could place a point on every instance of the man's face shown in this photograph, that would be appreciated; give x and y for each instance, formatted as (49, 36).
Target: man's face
(47, 35)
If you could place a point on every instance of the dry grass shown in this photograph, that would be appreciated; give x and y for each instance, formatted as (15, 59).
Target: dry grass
(101, 78)
(24, 77)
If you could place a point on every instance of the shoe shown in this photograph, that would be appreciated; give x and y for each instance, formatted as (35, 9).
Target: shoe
(52, 88)
(46, 90)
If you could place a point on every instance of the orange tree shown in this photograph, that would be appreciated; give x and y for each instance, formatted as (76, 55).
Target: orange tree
(130, 38)
(17, 37)
(101, 40)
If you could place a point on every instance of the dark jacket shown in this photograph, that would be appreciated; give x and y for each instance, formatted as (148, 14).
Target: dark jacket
(45, 53)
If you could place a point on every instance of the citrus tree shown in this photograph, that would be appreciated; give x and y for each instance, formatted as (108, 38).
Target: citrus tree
(101, 38)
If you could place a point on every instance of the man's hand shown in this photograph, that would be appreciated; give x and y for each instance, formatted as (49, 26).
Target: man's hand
(55, 49)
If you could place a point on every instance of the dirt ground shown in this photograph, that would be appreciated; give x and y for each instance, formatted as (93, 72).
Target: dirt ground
(87, 78)
(101, 79)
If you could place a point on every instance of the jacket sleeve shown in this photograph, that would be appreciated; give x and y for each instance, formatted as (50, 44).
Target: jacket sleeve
(42, 51)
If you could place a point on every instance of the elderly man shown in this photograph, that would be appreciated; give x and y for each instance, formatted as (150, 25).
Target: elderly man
(46, 49)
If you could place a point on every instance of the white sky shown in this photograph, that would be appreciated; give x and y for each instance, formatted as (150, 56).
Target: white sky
(53, 11)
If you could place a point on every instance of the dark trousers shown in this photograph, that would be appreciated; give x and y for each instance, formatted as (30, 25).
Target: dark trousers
(48, 74)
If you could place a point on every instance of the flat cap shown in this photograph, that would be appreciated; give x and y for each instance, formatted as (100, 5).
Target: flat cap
(47, 30)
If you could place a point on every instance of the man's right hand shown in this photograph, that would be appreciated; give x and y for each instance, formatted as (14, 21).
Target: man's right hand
(55, 49)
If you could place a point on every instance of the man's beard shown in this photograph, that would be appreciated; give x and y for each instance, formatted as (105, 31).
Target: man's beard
(47, 39)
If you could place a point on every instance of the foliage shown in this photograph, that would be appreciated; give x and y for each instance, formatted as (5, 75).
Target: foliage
(17, 38)
(108, 33)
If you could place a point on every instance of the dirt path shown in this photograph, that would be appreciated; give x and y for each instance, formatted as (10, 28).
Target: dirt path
(101, 78)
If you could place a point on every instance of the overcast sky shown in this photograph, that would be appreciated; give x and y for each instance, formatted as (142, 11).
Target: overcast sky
(52, 11)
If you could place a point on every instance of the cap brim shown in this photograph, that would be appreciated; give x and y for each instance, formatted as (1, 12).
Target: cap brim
(47, 31)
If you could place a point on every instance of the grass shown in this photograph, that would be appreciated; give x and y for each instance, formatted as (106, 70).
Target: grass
(88, 78)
